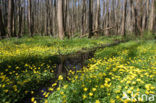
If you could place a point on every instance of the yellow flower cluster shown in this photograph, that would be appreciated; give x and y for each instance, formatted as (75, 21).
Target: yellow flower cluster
(105, 80)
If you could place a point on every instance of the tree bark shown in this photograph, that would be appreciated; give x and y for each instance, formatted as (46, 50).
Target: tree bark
(90, 19)
(60, 19)
(30, 18)
(10, 17)
(151, 17)
(123, 32)
(97, 16)
(2, 29)
(20, 20)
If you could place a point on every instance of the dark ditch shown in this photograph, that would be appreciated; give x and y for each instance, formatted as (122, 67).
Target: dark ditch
(68, 62)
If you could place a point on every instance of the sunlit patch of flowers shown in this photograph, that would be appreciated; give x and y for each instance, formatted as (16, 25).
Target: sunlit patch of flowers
(41, 46)
(105, 79)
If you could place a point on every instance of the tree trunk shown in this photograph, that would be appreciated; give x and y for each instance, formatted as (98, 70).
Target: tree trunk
(123, 32)
(83, 17)
(97, 16)
(107, 18)
(151, 17)
(10, 17)
(90, 19)
(60, 19)
(30, 18)
(2, 29)
(20, 20)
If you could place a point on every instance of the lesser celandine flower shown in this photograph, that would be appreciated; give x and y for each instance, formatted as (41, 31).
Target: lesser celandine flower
(84, 96)
(112, 101)
(93, 89)
(53, 85)
(90, 94)
(46, 101)
(97, 101)
(32, 99)
(85, 89)
(60, 77)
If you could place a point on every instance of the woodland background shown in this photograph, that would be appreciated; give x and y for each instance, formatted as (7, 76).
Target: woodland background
(70, 18)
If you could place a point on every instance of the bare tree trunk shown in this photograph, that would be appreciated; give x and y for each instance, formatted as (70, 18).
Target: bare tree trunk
(15, 18)
(10, 17)
(47, 18)
(20, 20)
(123, 31)
(51, 17)
(151, 17)
(144, 15)
(2, 29)
(137, 23)
(90, 19)
(65, 17)
(107, 18)
(30, 18)
(60, 19)
(83, 17)
(97, 16)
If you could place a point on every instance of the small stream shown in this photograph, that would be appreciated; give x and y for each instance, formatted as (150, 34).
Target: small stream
(72, 62)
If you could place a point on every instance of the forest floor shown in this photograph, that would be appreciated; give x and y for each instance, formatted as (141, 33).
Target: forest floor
(26, 64)
(123, 73)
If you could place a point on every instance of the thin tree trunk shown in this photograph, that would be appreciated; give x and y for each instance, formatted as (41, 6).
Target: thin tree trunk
(151, 17)
(123, 32)
(97, 16)
(20, 20)
(60, 19)
(10, 17)
(90, 19)
(30, 18)
(2, 29)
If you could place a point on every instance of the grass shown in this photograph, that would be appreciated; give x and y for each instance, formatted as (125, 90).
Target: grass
(27, 63)
(45, 46)
(129, 67)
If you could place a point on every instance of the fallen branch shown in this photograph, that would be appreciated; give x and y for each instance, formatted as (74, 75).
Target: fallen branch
(103, 29)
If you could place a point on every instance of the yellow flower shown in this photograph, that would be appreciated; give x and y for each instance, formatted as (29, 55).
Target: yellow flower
(60, 77)
(112, 101)
(35, 101)
(97, 101)
(84, 96)
(129, 91)
(53, 85)
(46, 101)
(147, 92)
(32, 99)
(102, 86)
(62, 93)
(58, 88)
(85, 89)
(93, 89)
(117, 97)
(138, 89)
(152, 87)
(90, 94)
(32, 92)
(65, 86)
(46, 95)
(50, 89)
